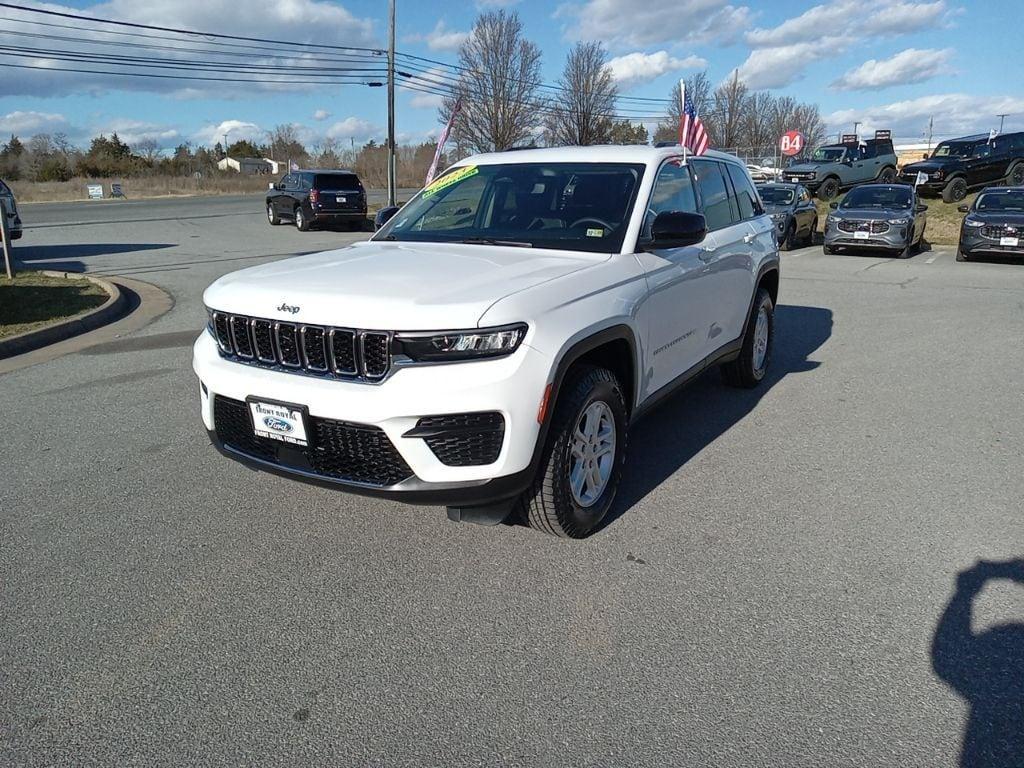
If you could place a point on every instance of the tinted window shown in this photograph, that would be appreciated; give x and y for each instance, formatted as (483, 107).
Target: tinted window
(954, 149)
(571, 206)
(673, 191)
(1012, 200)
(336, 181)
(746, 198)
(878, 197)
(776, 195)
(868, 151)
(714, 194)
(828, 154)
(288, 182)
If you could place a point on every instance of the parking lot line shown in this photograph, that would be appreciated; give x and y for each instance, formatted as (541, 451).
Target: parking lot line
(930, 259)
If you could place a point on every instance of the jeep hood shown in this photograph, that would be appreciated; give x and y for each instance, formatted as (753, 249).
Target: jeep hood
(933, 164)
(401, 286)
(872, 214)
(798, 167)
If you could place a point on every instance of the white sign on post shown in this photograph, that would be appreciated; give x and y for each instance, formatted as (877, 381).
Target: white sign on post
(95, 191)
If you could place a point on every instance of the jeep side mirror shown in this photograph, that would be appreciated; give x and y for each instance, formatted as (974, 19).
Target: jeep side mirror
(833, 205)
(384, 215)
(963, 208)
(676, 229)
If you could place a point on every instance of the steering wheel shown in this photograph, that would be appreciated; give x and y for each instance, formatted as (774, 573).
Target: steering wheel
(591, 220)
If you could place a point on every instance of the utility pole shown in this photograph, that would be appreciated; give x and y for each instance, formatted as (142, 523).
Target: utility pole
(225, 134)
(391, 102)
(1001, 118)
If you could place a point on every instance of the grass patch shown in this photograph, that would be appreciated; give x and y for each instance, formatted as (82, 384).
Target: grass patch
(32, 301)
(944, 219)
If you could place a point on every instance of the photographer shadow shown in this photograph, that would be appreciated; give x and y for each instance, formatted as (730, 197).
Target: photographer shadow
(663, 441)
(986, 669)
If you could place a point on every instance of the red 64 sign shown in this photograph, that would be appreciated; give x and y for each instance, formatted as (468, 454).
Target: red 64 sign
(791, 143)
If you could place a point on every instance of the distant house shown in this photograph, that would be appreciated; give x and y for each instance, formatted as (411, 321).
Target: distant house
(248, 165)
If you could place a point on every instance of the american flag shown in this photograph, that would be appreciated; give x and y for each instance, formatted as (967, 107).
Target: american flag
(691, 130)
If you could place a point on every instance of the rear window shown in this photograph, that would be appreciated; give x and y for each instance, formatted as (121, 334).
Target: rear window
(336, 181)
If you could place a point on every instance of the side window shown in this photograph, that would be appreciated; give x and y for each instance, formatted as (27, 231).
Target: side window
(869, 151)
(746, 197)
(1017, 143)
(673, 191)
(714, 194)
(288, 182)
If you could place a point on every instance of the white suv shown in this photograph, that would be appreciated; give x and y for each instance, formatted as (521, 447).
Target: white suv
(489, 347)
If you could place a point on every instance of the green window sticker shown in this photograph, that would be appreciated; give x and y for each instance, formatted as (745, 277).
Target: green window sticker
(595, 233)
(456, 176)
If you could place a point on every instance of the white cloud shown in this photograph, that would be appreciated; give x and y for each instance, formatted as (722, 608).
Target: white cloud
(353, 128)
(781, 54)
(321, 115)
(131, 132)
(236, 129)
(25, 124)
(954, 113)
(432, 80)
(910, 66)
(627, 22)
(852, 18)
(309, 21)
(443, 39)
(636, 68)
(427, 101)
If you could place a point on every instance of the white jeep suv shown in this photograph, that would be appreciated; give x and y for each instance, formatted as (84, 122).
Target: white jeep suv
(489, 347)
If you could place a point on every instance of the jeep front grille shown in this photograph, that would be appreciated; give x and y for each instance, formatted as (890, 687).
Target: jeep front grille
(314, 349)
(996, 231)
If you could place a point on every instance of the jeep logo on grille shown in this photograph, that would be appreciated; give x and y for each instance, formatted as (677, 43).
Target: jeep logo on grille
(276, 424)
(287, 308)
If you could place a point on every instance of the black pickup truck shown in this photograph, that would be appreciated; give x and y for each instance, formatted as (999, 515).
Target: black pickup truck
(959, 165)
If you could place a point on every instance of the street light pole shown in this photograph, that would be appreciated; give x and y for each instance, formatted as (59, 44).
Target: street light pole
(1001, 118)
(391, 102)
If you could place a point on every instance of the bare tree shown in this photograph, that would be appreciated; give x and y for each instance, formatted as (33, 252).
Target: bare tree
(698, 88)
(726, 130)
(807, 120)
(583, 111)
(756, 129)
(284, 143)
(147, 148)
(498, 85)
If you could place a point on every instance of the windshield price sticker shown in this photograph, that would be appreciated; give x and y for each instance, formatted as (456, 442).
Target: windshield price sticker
(595, 233)
(452, 178)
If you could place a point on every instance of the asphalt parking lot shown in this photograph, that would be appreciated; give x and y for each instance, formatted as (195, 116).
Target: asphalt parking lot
(777, 587)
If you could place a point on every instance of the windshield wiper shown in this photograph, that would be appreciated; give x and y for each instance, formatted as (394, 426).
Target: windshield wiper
(492, 241)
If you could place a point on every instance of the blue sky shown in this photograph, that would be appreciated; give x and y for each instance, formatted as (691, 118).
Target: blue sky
(887, 65)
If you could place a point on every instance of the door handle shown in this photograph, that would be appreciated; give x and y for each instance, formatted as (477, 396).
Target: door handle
(749, 238)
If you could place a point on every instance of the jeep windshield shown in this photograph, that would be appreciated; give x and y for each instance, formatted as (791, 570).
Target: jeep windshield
(1011, 200)
(877, 197)
(776, 195)
(828, 154)
(569, 206)
(955, 149)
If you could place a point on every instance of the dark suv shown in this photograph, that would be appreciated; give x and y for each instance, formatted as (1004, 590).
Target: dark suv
(318, 197)
(961, 164)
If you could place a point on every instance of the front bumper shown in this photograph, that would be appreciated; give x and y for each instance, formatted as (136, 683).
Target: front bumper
(512, 386)
(974, 244)
(893, 240)
(811, 184)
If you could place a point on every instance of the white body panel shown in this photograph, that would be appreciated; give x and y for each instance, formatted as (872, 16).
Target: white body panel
(679, 307)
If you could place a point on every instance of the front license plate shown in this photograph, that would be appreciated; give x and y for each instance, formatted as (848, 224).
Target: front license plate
(278, 421)
(861, 235)
(1010, 241)
(341, 199)
(793, 178)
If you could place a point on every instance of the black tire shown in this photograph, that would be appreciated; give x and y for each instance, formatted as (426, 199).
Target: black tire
(1015, 178)
(961, 256)
(788, 241)
(301, 220)
(828, 250)
(829, 188)
(811, 233)
(906, 252)
(888, 175)
(549, 505)
(955, 190)
(272, 216)
(742, 372)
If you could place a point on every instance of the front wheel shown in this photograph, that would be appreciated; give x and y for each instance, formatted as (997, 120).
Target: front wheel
(748, 370)
(788, 241)
(582, 459)
(272, 215)
(960, 255)
(829, 188)
(828, 250)
(811, 232)
(955, 190)
(887, 176)
(1015, 178)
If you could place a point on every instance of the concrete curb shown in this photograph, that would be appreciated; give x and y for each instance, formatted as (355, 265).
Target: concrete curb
(108, 312)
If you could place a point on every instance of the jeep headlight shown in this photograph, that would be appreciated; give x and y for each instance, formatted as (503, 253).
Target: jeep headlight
(899, 222)
(935, 174)
(471, 344)
(969, 222)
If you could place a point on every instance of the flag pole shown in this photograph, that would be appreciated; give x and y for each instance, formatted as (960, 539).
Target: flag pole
(682, 116)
